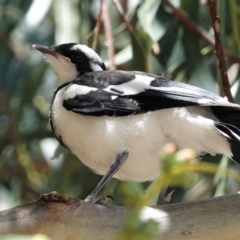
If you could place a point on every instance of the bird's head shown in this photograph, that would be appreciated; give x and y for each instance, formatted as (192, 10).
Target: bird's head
(71, 60)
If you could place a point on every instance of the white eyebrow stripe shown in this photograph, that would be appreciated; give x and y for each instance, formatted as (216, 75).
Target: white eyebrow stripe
(88, 52)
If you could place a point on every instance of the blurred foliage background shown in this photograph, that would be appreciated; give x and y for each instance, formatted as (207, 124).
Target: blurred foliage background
(155, 38)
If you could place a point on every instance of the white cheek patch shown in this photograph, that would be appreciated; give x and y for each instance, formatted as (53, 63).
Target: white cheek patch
(73, 90)
(64, 69)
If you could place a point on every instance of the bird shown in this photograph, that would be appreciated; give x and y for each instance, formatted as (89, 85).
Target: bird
(99, 114)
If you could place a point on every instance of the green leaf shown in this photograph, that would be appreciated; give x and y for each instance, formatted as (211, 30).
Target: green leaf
(141, 47)
(147, 17)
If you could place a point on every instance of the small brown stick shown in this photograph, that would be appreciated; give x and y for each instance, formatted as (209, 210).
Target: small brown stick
(122, 14)
(108, 34)
(198, 30)
(97, 28)
(219, 50)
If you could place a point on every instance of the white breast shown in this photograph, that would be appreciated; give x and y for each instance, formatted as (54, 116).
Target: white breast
(97, 140)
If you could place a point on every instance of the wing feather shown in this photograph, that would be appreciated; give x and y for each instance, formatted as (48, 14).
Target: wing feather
(124, 93)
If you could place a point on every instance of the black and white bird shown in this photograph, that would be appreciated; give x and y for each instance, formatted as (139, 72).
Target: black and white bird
(98, 114)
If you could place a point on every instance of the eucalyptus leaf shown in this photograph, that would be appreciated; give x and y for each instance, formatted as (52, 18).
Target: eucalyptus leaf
(147, 17)
(141, 46)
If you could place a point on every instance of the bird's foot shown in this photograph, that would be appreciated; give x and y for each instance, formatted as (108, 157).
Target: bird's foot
(166, 198)
(104, 200)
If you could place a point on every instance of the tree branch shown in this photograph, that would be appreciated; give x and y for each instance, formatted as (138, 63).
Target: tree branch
(216, 218)
(198, 30)
(108, 34)
(97, 28)
(122, 14)
(219, 50)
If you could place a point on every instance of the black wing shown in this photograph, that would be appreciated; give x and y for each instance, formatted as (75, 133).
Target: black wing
(100, 102)
(119, 93)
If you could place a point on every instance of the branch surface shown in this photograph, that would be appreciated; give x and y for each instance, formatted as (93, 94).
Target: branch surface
(216, 218)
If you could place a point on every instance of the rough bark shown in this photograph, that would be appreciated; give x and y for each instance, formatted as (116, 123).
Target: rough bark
(216, 218)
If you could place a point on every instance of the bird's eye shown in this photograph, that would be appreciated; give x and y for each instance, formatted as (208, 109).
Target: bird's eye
(77, 57)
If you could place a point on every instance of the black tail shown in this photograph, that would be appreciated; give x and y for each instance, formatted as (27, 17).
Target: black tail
(230, 125)
(230, 115)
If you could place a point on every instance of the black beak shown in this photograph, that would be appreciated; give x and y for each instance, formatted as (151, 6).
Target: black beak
(45, 50)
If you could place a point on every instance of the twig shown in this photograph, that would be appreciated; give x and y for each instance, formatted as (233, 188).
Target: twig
(97, 28)
(198, 30)
(219, 50)
(122, 14)
(108, 34)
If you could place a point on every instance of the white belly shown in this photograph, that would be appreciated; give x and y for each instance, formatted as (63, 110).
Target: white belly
(97, 140)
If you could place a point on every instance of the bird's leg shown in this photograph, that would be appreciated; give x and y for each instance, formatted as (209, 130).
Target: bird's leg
(117, 163)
